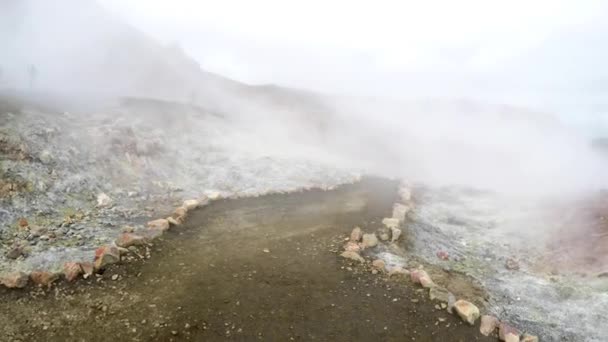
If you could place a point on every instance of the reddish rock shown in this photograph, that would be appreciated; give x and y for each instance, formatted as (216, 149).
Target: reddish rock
(15, 280)
(356, 235)
(23, 224)
(71, 270)
(106, 255)
(443, 255)
(488, 325)
(467, 311)
(352, 246)
(379, 264)
(129, 239)
(160, 224)
(504, 329)
(87, 268)
(43, 278)
(422, 278)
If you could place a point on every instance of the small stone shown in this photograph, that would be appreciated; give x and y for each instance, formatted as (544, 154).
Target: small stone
(488, 325)
(15, 280)
(505, 329)
(512, 264)
(529, 338)
(422, 278)
(16, 251)
(467, 311)
(384, 234)
(191, 204)
(510, 337)
(173, 221)
(266, 250)
(43, 278)
(451, 302)
(352, 246)
(213, 195)
(352, 255)
(379, 264)
(126, 240)
(115, 277)
(22, 223)
(443, 255)
(87, 269)
(398, 270)
(71, 270)
(395, 234)
(356, 234)
(106, 255)
(160, 224)
(179, 214)
(103, 200)
(390, 222)
(369, 240)
(439, 293)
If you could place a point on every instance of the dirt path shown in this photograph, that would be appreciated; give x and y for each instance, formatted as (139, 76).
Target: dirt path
(252, 269)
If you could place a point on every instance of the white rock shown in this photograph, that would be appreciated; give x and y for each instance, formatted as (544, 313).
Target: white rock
(191, 204)
(467, 311)
(399, 211)
(396, 233)
(369, 240)
(352, 255)
(103, 200)
(390, 222)
(213, 195)
(405, 193)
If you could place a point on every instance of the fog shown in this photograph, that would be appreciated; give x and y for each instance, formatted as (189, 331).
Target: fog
(499, 97)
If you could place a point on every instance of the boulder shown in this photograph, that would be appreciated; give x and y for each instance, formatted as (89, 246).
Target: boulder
(379, 264)
(467, 311)
(390, 222)
(160, 224)
(399, 212)
(15, 280)
(71, 271)
(191, 204)
(352, 255)
(395, 234)
(369, 240)
(106, 255)
(126, 240)
(505, 329)
(488, 325)
(356, 234)
(43, 278)
(103, 200)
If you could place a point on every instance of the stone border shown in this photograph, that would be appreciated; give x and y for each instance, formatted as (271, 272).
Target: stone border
(467, 311)
(112, 253)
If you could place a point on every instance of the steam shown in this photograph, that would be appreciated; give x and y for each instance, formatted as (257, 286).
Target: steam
(83, 53)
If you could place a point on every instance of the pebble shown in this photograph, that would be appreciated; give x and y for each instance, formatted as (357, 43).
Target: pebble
(115, 277)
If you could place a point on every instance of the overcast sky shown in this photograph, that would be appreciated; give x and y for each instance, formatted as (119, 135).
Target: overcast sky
(548, 54)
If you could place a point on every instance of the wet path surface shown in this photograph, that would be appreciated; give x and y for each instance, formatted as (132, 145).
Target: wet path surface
(252, 269)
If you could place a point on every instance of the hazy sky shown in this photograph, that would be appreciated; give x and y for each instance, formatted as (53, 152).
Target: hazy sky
(544, 53)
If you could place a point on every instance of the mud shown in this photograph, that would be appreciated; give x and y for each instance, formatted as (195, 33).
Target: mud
(252, 269)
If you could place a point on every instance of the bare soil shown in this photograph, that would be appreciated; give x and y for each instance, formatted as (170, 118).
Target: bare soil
(252, 269)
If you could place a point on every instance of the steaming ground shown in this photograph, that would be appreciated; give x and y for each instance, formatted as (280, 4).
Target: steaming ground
(145, 155)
